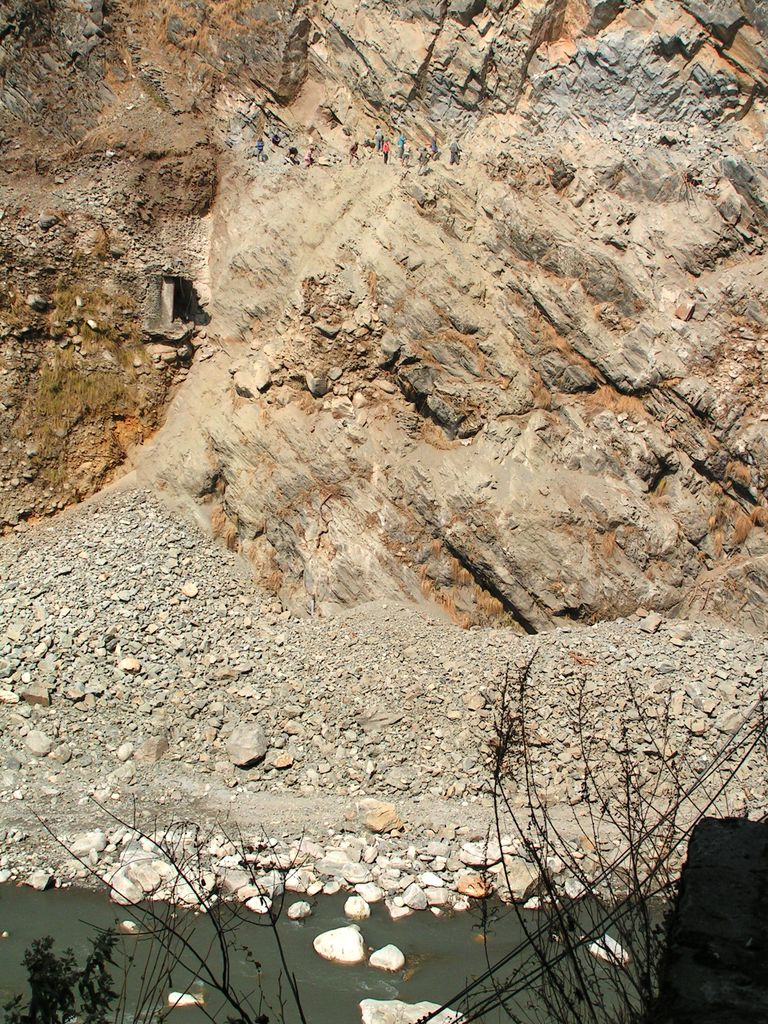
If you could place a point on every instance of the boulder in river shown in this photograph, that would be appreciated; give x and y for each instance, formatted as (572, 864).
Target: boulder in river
(179, 1000)
(299, 911)
(394, 1011)
(357, 908)
(388, 958)
(259, 904)
(342, 945)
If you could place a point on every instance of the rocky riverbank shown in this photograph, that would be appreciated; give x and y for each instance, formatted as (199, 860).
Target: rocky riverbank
(141, 668)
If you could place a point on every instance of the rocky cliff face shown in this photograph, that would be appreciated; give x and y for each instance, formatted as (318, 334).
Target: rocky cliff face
(529, 388)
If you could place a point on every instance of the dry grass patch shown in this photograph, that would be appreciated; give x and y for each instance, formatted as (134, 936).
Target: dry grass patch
(608, 398)
(608, 544)
(739, 473)
(741, 528)
(436, 437)
(461, 576)
(67, 391)
(223, 528)
(540, 395)
(489, 605)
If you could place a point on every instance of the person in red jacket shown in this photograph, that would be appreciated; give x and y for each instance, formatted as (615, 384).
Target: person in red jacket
(385, 150)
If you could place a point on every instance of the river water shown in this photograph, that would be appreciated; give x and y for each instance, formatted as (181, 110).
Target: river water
(441, 954)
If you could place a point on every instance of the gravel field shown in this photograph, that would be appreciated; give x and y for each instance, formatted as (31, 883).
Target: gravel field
(141, 667)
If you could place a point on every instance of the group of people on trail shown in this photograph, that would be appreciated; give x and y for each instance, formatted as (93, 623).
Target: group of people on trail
(381, 145)
(261, 156)
(426, 154)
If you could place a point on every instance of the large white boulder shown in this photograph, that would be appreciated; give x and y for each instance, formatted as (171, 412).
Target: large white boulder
(397, 911)
(123, 890)
(259, 904)
(298, 911)
(414, 897)
(342, 945)
(357, 908)
(394, 1011)
(609, 950)
(517, 880)
(84, 842)
(180, 1000)
(247, 745)
(370, 892)
(388, 958)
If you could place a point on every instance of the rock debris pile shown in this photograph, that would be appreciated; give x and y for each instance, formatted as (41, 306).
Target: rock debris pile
(139, 662)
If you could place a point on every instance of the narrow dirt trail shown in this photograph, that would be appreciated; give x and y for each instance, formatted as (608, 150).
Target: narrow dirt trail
(273, 226)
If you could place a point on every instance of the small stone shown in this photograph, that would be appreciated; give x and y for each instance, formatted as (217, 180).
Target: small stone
(474, 701)
(37, 693)
(651, 622)
(522, 877)
(132, 665)
(38, 743)
(37, 302)
(396, 911)
(39, 880)
(317, 385)
(415, 897)
(152, 749)
(370, 892)
(282, 760)
(380, 817)
(62, 754)
(85, 842)
(471, 884)
(189, 589)
(575, 888)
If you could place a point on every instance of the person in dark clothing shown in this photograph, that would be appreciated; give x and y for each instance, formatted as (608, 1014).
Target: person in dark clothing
(455, 152)
(353, 156)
